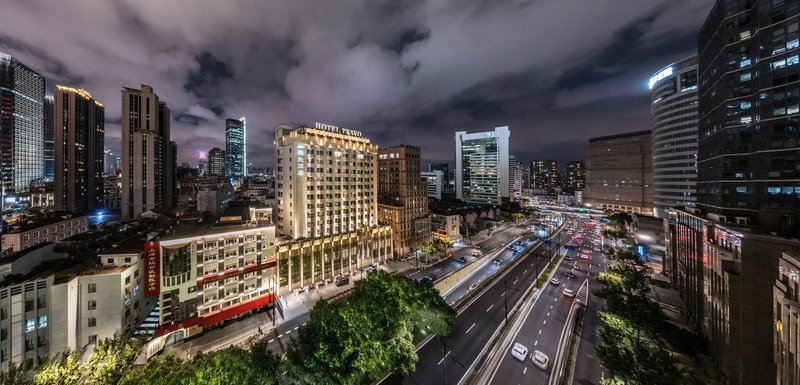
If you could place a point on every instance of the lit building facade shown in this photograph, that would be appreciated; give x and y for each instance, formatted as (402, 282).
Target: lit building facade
(482, 166)
(22, 114)
(216, 162)
(619, 173)
(236, 148)
(49, 138)
(749, 64)
(673, 105)
(402, 198)
(79, 156)
(146, 152)
(544, 175)
(575, 176)
(514, 178)
(326, 181)
(435, 183)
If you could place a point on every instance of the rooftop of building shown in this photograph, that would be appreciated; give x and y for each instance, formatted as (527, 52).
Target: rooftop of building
(132, 245)
(620, 136)
(8, 256)
(235, 217)
(45, 220)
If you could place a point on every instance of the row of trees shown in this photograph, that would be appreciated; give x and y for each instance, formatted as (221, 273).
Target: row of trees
(438, 246)
(632, 345)
(349, 342)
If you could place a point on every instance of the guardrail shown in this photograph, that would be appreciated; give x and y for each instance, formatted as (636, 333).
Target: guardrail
(566, 334)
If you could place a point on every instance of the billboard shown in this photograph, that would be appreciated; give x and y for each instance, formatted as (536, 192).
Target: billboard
(152, 269)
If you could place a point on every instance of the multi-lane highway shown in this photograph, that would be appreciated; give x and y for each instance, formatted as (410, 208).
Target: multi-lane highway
(456, 355)
(542, 329)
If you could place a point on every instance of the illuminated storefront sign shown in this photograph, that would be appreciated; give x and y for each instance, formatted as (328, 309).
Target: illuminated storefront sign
(152, 269)
(337, 130)
(660, 76)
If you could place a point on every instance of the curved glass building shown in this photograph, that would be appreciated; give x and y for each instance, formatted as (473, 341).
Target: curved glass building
(673, 105)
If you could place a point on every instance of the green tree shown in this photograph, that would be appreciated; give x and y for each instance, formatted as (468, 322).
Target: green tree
(634, 357)
(620, 219)
(16, 374)
(227, 366)
(111, 360)
(161, 370)
(64, 370)
(267, 366)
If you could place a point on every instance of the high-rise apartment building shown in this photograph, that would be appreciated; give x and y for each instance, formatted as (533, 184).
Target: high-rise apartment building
(146, 152)
(575, 176)
(544, 175)
(236, 148)
(49, 138)
(326, 181)
(514, 178)
(403, 197)
(79, 156)
(619, 173)
(482, 166)
(673, 105)
(749, 66)
(22, 116)
(216, 162)
(109, 163)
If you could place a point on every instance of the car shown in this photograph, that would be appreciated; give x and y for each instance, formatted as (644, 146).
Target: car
(475, 253)
(577, 266)
(472, 287)
(567, 258)
(540, 359)
(519, 242)
(510, 247)
(519, 351)
(477, 246)
(426, 279)
(570, 275)
(554, 281)
(496, 261)
(462, 259)
(569, 293)
(585, 256)
(432, 277)
(343, 280)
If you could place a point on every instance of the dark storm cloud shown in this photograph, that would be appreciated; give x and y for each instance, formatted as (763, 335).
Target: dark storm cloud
(402, 71)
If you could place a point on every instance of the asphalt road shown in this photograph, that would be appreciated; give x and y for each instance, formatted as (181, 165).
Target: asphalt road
(454, 355)
(544, 325)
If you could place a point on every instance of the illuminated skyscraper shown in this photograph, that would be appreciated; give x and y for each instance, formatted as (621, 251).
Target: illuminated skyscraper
(216, 162)
(79, 136)
(236, 148)
(49, 138)
(482, 166)
(21, 125)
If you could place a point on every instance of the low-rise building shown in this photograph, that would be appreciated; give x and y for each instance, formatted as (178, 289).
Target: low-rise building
(214, 199)
(446, 226)
(435, 180)
(56, 227)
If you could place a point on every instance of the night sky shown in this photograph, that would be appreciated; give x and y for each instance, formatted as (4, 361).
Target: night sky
(403, 72)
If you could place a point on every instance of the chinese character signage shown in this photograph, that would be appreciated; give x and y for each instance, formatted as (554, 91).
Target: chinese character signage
(152, 269)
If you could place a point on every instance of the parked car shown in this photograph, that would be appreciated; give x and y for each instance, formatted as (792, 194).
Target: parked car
(343, 280)
(519, 351)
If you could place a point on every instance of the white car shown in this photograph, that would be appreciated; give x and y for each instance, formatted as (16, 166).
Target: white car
(519, 351)
(540, 359)
(569, 293)
(472, 287)
(476, 253)
(554, 281)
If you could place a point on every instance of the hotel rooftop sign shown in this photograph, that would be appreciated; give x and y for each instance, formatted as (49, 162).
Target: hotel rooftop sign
(337, 130)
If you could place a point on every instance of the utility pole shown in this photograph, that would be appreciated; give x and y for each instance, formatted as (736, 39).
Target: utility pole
(445, 356)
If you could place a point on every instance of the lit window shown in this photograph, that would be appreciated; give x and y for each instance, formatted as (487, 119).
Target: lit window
(745, 77)
(42, 321)
(773, 190)
(30, 325)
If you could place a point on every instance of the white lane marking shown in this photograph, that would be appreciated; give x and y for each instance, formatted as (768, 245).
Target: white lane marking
(555, 299)
(295, 328)
(545, 322)
(548, 314)
(288, 331)
(490, 308)
(280, 335)
(515, 281)
(551, 306)
(535, 342)
(540, 331)
(271, 341)
(526, 270)
(470, 328)
(440, 361)
(525, 370)
(504, 293)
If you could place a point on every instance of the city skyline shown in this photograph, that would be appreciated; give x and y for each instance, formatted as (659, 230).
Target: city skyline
(203, 75)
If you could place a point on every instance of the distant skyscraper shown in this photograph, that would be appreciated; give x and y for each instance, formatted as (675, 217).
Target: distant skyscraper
(445, 169)
(673, 105)
(575, 176)
(146, 152)
(79, 157)
(202, 164)
(435, 181)
(482, 166)
(515, 178)
(526, 177)
(544, 175)
(236, 148)
(109, 163)
(216, 162)
(341, 197)
(21, 125)
(49, 138)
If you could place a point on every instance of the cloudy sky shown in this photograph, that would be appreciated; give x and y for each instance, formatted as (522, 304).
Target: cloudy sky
(403, 72)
